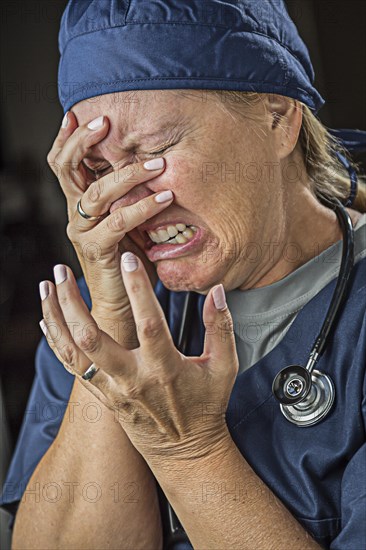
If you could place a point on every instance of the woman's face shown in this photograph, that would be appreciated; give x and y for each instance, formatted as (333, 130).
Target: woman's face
(222, 169)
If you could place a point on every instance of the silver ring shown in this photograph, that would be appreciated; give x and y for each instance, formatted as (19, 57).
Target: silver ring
(85, 215)
(90, 372)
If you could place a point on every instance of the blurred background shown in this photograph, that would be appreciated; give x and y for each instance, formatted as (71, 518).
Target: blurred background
(33, 210)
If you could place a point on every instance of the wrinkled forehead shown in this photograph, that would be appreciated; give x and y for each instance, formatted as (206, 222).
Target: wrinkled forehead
(138, 118)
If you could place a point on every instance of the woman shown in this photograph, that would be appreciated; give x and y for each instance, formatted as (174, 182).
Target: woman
(235, 184)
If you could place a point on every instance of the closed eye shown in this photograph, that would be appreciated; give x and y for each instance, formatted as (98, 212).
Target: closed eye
(161, 150)
(97, 172)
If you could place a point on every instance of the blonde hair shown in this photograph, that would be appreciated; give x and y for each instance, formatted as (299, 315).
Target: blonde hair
(328, 175)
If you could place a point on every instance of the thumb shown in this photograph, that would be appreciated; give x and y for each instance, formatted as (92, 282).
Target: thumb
(219, 346)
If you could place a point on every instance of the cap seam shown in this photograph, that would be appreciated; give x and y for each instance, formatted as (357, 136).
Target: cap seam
(100, 84)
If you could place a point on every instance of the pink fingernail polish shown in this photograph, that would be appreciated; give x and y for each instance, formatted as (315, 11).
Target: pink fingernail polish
(44, 290)
(65, 120)
(164, 196)
(219, 298)
(60, 273)
(129, 262)
(154, 164)
(96, 124)
(42, 324)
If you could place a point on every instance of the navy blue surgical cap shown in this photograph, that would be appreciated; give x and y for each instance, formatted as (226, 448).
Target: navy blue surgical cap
(119, 45)
(111, 46)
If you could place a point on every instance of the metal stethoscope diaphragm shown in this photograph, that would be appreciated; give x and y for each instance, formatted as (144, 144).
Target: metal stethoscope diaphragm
(305, 394)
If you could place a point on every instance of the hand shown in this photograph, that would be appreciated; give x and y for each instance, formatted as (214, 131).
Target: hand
(160, 396)
(99, 244)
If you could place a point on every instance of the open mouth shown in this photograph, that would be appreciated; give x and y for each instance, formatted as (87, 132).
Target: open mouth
(179, 233)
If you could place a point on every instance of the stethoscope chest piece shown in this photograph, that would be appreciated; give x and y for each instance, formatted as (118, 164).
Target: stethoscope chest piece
(305, 398)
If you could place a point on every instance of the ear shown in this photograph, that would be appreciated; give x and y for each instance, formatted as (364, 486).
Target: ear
(285, 119)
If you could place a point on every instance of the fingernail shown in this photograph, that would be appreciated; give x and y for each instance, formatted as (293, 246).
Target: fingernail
(219, 298)
(44, 290)
(42, 324)
(65, 120)
(164, 196)
(129, 262)
(96, 123)
(60, 273)
(154, 164)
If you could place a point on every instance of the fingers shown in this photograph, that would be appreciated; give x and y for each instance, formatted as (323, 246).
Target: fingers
(96, 196)
(219, 345)
(115, 226)
(69, 150)
(97, 346)
(99, 196)
(68, 126)
(152, 329)
(59, 335)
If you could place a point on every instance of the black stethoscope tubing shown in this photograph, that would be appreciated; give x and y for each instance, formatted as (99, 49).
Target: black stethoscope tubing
(345, 269)
(175, 532)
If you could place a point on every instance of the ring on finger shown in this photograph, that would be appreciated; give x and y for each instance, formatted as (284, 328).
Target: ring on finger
(84, 214)
(90, 372)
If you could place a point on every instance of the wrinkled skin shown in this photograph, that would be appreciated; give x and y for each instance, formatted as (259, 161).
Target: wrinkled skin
(259, 223)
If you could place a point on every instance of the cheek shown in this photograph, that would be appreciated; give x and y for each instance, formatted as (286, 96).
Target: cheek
(184, 177)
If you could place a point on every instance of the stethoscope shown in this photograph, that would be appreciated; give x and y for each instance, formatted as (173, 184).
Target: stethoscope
(305, 394)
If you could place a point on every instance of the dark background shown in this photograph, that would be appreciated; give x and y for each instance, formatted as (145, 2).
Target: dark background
(33, 213)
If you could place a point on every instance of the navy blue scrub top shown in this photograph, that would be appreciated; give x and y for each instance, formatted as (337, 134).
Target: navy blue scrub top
(318, 472)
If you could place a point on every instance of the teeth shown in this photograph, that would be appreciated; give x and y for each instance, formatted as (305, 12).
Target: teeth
(178, 234)
(163, 235)
(180, 239)
(188, 233)
(154, 236)
(172, 231)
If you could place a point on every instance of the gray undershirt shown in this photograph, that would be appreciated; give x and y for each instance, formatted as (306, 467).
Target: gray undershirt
(262, 316)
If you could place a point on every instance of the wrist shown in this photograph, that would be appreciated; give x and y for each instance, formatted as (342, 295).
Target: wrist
(194, 462)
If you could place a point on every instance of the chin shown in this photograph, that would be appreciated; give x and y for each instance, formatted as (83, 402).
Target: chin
(182, 279)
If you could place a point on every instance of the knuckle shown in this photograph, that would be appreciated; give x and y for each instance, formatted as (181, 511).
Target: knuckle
(151, 327)
(69, 355)
(88, 339)
(135, 287)
(95, 191)
(47, 316)
(53, 164)
(63, 299)
(131, 391)
(54, 329)
(226, 326)
(50, 158)
(117, 221)
(71, 232)
(129, 173)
